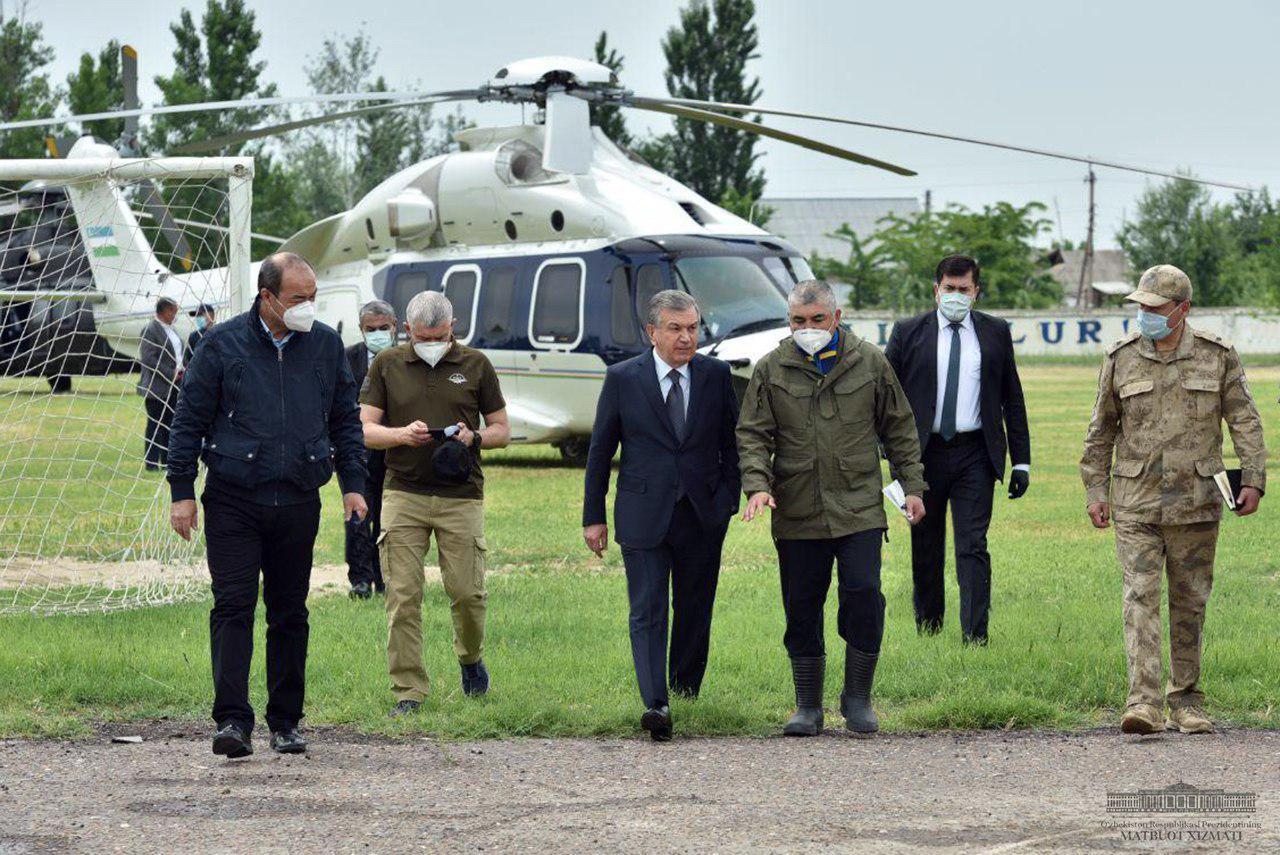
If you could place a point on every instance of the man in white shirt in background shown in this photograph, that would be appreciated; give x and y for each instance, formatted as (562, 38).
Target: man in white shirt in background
(160, 357)
(958, 370)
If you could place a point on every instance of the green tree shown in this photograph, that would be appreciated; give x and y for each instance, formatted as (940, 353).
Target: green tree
(25, 89)
(97, 87)
(1002, 237)
(610, 119)
(1252, 269)
(1177, 223)
(707, 55)
(865, 270)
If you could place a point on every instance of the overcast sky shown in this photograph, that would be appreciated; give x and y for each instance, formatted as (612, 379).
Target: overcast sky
(1168, 84)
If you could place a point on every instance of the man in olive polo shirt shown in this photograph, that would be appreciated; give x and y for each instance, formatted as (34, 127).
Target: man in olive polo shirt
(411, 393)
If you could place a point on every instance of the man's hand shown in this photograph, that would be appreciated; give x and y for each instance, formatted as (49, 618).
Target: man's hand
(354, 506)
(1019, 481)
(416, 434)
(184, 517)
(465, 435)
(756, 505)
(1247, 501)
(1100, 514)
(915, 509)
(597, 538)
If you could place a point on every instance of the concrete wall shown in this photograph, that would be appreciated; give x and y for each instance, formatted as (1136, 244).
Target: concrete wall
(1070, 333)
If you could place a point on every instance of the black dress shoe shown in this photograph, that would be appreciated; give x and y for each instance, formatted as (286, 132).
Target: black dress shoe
(657, 721)
(288, 741)
(404, 708)
(360, 591)
(232, 742)
(475, 679)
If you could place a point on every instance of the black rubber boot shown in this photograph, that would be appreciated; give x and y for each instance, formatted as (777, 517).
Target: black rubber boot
(855, 700)
(807, 672)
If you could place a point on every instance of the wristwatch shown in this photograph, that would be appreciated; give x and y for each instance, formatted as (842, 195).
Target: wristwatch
(476, 439)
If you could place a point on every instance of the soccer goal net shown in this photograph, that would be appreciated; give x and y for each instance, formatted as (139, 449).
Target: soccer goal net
(89, 246)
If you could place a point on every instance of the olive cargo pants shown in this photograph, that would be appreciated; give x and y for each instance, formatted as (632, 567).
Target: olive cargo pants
(408, 521)
(1147, 552)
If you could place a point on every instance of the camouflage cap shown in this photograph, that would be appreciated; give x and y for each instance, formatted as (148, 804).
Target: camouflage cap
(1160, 284)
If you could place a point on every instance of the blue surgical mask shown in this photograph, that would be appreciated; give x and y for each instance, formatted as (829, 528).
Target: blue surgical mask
(201, 322)
(954, 306)
(377, 340)
(1153, 325)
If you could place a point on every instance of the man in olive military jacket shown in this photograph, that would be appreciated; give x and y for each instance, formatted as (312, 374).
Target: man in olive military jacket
(816, 410)
(1163, 394)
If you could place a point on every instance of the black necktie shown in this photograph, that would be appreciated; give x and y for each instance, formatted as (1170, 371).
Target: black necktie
(675, 403)
(948, 427)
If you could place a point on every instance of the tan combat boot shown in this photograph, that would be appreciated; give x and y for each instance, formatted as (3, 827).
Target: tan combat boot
(1190, 719)
(1142, 718)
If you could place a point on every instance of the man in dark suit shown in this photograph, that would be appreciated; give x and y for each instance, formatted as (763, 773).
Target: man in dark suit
(957, 368)
(161, 359)
(203, 316)
(674, 412)
(364, 569)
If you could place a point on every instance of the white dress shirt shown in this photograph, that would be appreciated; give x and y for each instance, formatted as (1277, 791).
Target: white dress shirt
(968, 392)
(175, 341)
(664, 381)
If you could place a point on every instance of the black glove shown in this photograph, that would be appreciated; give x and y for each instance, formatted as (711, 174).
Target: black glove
(1019, 481)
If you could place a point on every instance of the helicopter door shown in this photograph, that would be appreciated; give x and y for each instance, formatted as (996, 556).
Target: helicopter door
(558, 388)
(495, 332)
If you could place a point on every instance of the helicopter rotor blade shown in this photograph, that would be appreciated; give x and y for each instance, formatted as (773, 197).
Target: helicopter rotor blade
(219, 106)
(129, 81)
(657, 106)
(568, 141)
(226, 140)
(817, 117)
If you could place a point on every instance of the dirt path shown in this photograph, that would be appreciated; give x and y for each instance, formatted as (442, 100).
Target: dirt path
(986, 792)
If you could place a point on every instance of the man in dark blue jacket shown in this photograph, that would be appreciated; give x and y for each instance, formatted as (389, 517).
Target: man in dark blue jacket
(269, 404)
(674, 413)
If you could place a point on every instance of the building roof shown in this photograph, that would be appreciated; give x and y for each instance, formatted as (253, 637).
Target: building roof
(1111, 273)
(806, 222)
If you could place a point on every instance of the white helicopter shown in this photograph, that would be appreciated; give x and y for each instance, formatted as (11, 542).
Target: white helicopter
(547, 238)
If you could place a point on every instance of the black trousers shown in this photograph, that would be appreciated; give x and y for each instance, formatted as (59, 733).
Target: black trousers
(363, 562)
(159, 418)
(805, 568)
(959, 473)
(689, 557)
(244, 540)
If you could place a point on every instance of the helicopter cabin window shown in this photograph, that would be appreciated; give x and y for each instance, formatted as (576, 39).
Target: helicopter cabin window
(799, 268)
(406, 285)
(780, 272)
(734, 293)
(623, 321)
(460, 286)
(556, 320)
(497, 302)
(648, 283)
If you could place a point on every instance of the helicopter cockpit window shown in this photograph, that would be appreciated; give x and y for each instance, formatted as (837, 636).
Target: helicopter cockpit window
(779, 271)
(460, 286)
(557, 304)
(405, 287)
(648, 282)
(734, 294)
(623, 322)
(497, 301)
(800, 268)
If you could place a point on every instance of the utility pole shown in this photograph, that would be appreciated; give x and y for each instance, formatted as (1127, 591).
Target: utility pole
(1086, 266)
(928, 202)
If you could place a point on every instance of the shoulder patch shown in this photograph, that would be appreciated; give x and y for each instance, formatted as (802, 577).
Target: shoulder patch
(1209, 336)
(1129, 339)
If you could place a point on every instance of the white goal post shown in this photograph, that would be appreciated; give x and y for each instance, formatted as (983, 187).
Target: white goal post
(88, 246)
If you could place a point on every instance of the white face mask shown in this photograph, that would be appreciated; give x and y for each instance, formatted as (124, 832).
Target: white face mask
(299, 318)
(811, 340)
(431, 352)
(954, 306)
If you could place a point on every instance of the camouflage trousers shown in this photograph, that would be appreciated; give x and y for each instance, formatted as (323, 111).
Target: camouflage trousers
(1147, 551)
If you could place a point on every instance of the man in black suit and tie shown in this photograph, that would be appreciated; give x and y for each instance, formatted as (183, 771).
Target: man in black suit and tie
(957, 368)
(364, 569)
(674, 412)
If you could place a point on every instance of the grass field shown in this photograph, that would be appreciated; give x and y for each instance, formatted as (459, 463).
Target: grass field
(557, 643)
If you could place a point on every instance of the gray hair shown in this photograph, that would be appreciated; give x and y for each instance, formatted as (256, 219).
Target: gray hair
(812, 291)
(668, 301)
(374, 308)
(429, 309)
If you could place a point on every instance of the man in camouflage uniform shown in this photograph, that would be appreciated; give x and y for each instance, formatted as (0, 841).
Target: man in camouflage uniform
(814, 414)
(1163, 394)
